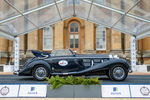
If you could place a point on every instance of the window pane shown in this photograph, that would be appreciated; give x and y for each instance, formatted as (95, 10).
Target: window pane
(71, 40)
(97, 43)
(50, 43)
(76, 27)
(76, 36)
(58, 53)
(76, 43)
(104, 36)
(47, 43)
(76, 40)
(99, 35)
(47, 38)
(71, 36)
(71, 43)
(100, 38)
(72, 27)
(100, 44)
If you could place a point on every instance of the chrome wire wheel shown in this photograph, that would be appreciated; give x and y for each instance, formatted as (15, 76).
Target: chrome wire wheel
(40, 73)
(118, 73)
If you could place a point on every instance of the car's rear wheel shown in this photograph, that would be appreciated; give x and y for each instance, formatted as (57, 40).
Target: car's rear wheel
(40, 72)
(118, 72)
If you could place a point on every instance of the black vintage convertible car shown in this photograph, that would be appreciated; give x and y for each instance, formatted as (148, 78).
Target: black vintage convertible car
(67, 62)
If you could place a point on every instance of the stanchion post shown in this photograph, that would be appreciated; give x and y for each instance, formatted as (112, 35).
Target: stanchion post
(16, 53)
(133, 53)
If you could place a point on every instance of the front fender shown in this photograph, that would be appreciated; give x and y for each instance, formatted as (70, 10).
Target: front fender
(31, 65)
(108, 63)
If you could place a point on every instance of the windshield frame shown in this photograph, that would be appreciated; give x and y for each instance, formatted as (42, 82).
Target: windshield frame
(67, 52)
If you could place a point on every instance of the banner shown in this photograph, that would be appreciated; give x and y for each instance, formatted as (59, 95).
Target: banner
(115, 91)
(140, 90)
(9, 90)
(33, 90)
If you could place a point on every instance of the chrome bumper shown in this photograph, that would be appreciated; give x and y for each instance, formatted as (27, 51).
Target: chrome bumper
(130, 71)
(16, 72)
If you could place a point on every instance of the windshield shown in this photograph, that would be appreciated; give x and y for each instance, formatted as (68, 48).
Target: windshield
(62, 52)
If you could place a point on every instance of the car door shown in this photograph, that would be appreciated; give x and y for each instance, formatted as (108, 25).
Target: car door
(67, 63)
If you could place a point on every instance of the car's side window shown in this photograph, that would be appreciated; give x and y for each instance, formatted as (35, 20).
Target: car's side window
(61, 53)
(68, 52)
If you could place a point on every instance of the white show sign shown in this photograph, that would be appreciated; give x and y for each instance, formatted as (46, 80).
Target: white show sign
(140, 90)
(33, 90)
(9, 90)
(115, 91)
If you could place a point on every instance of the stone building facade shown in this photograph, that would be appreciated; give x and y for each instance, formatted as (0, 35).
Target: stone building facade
(79, 35)
(75, 33)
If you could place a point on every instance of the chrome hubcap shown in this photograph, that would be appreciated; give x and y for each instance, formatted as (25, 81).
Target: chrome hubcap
(118, 73)
(40, 72)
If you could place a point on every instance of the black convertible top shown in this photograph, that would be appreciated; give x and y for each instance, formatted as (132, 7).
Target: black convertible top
(40, 54)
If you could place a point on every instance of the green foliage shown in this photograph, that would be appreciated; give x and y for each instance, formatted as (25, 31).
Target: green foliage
(57, 81)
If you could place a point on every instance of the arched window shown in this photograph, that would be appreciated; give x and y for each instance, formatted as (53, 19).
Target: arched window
(74, 34)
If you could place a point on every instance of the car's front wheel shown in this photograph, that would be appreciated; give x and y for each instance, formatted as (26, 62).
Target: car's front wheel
(40, 72)
(118, 72)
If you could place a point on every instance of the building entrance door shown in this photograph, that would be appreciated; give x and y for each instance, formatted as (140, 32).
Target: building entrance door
(74, 36)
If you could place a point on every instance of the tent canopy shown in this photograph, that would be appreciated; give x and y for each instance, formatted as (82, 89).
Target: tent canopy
(18, 17)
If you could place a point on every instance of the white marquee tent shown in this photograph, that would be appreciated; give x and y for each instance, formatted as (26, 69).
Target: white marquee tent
(18, 17)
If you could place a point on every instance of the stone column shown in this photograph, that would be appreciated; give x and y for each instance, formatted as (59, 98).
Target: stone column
(32, 43)
(89, 36)
(33, 40)
(116, 40)
(58, 36)
(3, 50)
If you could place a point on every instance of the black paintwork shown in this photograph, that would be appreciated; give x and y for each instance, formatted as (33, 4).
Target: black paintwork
(77, 64)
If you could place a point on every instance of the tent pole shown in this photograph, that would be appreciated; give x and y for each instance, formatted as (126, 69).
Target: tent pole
(133, 53)
(16, 53)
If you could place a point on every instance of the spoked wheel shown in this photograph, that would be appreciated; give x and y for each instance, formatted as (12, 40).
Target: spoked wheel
(40, 72)
(118, 72)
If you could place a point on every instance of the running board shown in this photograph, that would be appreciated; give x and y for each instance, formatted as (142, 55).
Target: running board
(69, 73)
